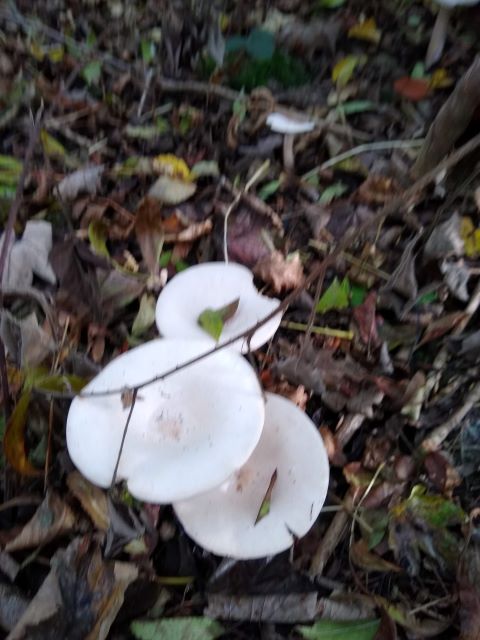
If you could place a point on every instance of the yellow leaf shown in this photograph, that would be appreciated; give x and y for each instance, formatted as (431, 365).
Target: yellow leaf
(37, 51)
(440, 79)
(56, 53)
(343, 70)
(169, 165)
(366, 30)
(470, 237)
(51, 146)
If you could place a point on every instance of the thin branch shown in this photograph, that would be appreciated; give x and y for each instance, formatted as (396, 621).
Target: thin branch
(125, 430)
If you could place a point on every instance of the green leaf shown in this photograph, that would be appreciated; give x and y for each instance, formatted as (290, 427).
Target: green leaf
(268, 189)
(337, 296)
(148, 51)
(51, 146)
(260, 44)
(239, 108)
(355, 106)
(194, 628)
(235, 43)
(418, 71)
(205, 169)
(265, 506)
(145, 316)
(97, 236)
(330, 4)
(357, 295)
(340, 630)
(333, 191)
(9, 163)
(92, 71)
(212, 320)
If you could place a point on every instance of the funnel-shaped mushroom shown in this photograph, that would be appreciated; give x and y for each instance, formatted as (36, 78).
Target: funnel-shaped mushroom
(213, 285)
(439, 33)
(223, 520)
(187, 433)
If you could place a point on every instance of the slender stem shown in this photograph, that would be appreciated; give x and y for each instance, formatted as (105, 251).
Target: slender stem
(321, 331)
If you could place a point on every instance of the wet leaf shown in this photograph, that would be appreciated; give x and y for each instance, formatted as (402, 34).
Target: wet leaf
(213, 320)
(97, 234)
(51, 146)
(339, 630)
(282, 273)
(79, 598)
(170, 190)
(53, 519)
(205, 169)
(92, 72)
(265, 506)
(177, 629)
(471, 237)
(413, 89)
(332, 192)
(170, 165)
(369, 561)
(445, 239)
(366, 30)
(14, 439)
(85, 180)
(145, 316)
(92, 498)
(337, 296)
(343, 70)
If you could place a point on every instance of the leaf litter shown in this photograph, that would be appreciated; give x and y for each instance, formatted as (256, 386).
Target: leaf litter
(142, 169)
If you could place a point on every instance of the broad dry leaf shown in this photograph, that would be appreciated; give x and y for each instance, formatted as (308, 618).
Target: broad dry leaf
(92, 498)
(168, 190)
(52, 519)
(86, 180)
(445, 240)
(282, 273)
(79, 598)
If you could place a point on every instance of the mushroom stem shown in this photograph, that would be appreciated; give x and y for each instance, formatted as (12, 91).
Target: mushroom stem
(439, 35)
(288, 155)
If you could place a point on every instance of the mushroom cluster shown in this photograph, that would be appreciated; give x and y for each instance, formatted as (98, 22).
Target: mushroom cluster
(247, 473)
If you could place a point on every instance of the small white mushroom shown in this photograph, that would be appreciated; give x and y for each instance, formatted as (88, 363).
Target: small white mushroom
(281, 123)
(223, 520)
(187, 433)
(212, 285)
(439, 33)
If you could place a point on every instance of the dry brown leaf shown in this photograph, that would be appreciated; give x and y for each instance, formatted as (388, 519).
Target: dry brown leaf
(92, 498)
(52, 519)
(282, 273)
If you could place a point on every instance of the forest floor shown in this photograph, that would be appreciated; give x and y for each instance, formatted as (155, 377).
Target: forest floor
(136, 141)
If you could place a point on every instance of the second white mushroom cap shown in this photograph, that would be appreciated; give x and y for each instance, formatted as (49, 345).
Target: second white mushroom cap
(212, 285)
(223, 520)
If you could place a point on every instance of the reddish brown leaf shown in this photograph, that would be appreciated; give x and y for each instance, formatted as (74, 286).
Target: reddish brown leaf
(413, 89)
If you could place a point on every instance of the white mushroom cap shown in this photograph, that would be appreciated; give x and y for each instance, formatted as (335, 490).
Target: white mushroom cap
(283, 124)
(212, 285)
(187, 433)
(223, 520)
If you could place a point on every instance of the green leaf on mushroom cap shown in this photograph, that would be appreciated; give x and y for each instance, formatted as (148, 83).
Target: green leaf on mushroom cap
(212, 320)
(265, 506)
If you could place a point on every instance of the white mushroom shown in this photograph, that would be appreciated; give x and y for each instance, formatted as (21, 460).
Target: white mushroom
(439, 33)
(223, 520)
(212, 285)
(187, 433)
(281, 123)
